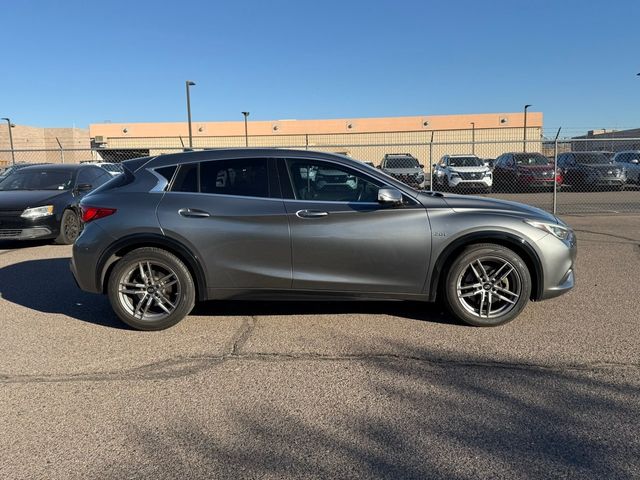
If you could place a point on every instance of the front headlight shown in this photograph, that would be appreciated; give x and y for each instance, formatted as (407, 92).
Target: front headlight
(38, 212)
(558, 231)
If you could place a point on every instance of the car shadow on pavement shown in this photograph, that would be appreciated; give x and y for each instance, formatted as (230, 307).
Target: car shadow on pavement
(20, 244)
(48, 286)
(422, 311)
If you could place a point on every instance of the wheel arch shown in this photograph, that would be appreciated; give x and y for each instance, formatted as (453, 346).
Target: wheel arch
(506, 239)
(121, 247)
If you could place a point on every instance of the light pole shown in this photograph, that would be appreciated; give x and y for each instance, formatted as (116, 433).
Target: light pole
(473, 138)
(189, 83)
(13, 153)
(246, 134)
(524, 137)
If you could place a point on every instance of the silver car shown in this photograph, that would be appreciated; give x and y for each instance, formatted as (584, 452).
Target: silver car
(630, 161)
(256, 224)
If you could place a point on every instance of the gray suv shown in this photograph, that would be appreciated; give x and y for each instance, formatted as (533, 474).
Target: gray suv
(287, 224)
(406, 168)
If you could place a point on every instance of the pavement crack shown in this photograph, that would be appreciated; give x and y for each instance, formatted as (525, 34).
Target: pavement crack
(180, 367)
(242, 335)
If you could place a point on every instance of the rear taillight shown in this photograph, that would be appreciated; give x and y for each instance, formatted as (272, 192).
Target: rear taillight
(93, 213)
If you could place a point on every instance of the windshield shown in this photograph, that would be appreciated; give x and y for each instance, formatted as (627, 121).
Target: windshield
(591, 158)
(465, 162)
(532, 159)
(38, 180)
(401, 162)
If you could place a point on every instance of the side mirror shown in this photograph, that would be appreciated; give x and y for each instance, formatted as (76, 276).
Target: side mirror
(422, 165)
(389, 196)
(83, 187)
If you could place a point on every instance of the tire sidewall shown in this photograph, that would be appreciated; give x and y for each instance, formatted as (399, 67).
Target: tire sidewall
(187, 298)
(62, 238)
(463, 260)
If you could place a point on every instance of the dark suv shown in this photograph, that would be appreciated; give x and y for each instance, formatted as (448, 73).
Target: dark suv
(284, 224)
(591, 170)
(405, 167)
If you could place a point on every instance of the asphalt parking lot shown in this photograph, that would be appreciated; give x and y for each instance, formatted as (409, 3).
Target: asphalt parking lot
(329, 390)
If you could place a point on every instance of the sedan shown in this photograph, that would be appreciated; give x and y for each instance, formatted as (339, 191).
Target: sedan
(42, 202)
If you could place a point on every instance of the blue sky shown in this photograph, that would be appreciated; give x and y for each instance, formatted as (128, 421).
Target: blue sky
(79, 62)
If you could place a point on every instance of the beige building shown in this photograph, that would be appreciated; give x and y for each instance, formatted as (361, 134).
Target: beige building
(36, 144)
(426, 137)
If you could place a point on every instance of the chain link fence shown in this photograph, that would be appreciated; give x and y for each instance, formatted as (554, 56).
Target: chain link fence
(566, 176)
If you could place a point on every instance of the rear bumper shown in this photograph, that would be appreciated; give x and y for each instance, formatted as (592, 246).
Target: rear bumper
(85, 258)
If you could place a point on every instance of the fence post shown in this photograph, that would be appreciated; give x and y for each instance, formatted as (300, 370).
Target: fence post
(306, 141)
(431, 163)
(61, 150)
(555, 173)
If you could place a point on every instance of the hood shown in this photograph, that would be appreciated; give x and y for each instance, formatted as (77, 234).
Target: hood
(467, 203)
(535, 168)
(21, 199)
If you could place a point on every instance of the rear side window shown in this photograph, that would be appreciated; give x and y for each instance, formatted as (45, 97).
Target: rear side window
(186, 179)
(242, 176)
(167, 172)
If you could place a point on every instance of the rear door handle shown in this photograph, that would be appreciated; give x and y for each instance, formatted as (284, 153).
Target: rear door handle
(311, 213)
(193, 213)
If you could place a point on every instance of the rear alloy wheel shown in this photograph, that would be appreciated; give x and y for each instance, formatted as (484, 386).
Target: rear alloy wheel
(487, 285)
(70, 228)
(151, 289)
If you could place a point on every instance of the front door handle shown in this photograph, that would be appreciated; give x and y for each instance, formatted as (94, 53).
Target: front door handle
(311, 213)
(193, 213)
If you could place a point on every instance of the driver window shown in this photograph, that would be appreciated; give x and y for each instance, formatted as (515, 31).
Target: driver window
(330, 182)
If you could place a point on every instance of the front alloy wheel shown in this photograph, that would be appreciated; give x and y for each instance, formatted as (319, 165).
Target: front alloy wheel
(151, 289)
(487, 285)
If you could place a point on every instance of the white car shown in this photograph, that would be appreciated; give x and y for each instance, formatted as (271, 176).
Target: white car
(629, 161)
(462, 172)
(114, 169)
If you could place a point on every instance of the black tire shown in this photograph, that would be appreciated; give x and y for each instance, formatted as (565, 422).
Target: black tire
(460, 269)
(70, 228)
(179, 295)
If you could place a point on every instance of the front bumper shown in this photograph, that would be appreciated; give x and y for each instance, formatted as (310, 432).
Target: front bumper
(411, 180)
(559, 258)
(458, 182)
(608, 182)
(14, 227)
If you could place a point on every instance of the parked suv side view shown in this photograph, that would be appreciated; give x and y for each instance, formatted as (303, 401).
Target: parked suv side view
(405, 167)
(287, 224)
(462, 172)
